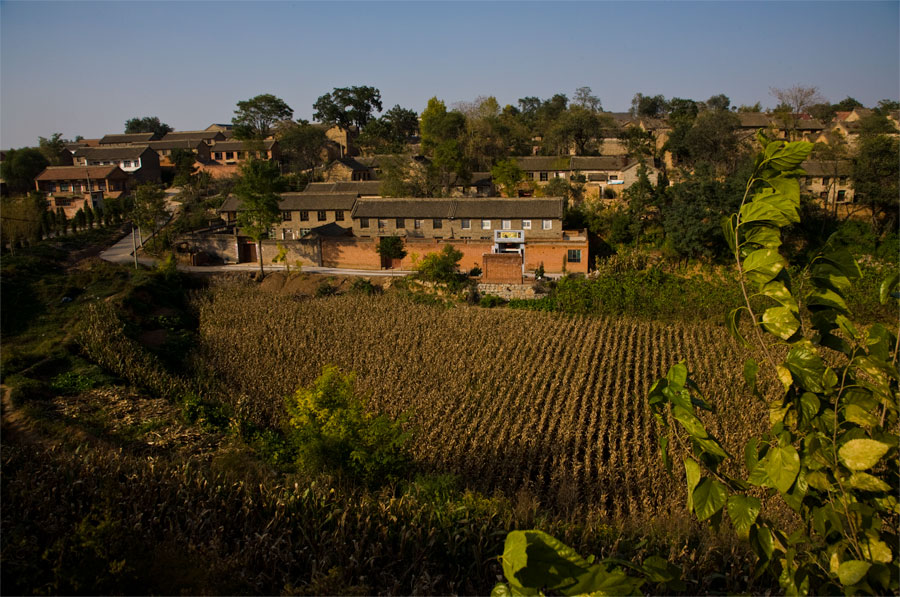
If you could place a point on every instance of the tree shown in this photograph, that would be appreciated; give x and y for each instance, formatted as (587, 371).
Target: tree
(440, 267)
(258, 190)
(586, 100)
(149, 207)
(508, 175)
(719, 102)
(391, 247)
(797, 98)
(744, 108)
(88, 215)
(302, 145)
(579, 127)
(346, 106)
(20, 219)
(875, 177)
(184, 160)
(649, 106)
(147, 124)
(53, 149)
(20, 168)
(441, 131)
(391, 132)
(255, 117)
(886, 105)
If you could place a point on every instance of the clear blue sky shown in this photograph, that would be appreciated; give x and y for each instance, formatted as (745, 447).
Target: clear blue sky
(84, 68)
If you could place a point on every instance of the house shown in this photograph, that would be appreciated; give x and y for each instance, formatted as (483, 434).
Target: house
(602, 175)
(69, 187)
(165, 148)
(236, 152)
(362, 188)
(128, 139)
(301, 213)
(210, 137)
(828, 180)
(140, 161)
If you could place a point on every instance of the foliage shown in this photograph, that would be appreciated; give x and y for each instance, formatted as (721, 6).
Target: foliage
(149, 206)
(147, 124)
(54, 149)
(875, 176)
(440, 267)
(20, 219)
(346, 106)
(441, 132)
(390, 247)
(184, 160)
(331, 430)
(255, 117)
(654, 106)
(258, 189)
(20, 167)
(489, 301)
(508, 175)
(390, 133)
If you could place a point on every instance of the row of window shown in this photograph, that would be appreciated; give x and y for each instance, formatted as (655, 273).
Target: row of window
(50, 187)
(238, 155)
(545, 176)
(465, 224)
(808, 180)
(123, 163)
(321, 216)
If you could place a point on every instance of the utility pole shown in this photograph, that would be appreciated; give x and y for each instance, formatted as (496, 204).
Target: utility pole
(134, 247)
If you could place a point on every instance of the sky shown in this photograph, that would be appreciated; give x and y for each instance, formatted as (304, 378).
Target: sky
(84, 68)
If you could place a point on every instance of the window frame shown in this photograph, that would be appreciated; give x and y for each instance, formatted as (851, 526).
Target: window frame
(546, 224)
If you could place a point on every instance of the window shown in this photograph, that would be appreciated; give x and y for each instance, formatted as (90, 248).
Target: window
(417, 224)
(339, 215)
(304, 216)
(321, 215)
(485, 224)
(436, 223)
(842, 196)
(218, 155)
(229, 155)
(126, 164)
(843, 180)
(505, 224)
(544, 177)
(400, 223)
(239, 154)
(51, 187)
(574, 256)
(63, 186)
(547, 224)
(285, 216)
(614, 177)
(466, 224)
(364, 222)
(826, 180)
(382, 224)
(526, 224)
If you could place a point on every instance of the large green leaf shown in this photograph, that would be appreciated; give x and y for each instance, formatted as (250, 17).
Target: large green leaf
(533, 560)
(888, 286)
(728, 229)
(766, 236)
(690, 422)
(743, 510)
(827, 274)
(787, 186)
(763, 265)
(844, 261)
(781, 322)
(709, 497)
(826, 298)
(750, 371)
(806, 366)
(778, 469)
(677, 376)
(732, 322)
(760, 210)
(867, 482)
(789, 156)
(692, 476)
(852, 571)
(777, 291)
(862, 454)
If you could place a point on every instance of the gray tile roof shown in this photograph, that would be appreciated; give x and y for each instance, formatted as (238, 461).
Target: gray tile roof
(301, 202)
(754, 120)
(542, 163)
(128, 138)
(827, 167)
(360, 187)
(204, 135)
(550, 207)
(112, 153)
(404, 208)
(241, 145)
(183, 144)
(602, 162)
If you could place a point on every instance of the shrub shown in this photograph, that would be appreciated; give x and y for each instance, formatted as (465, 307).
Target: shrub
(363, 286)
(489, 301)
(440, 267)
(391, 247)
(331, 431)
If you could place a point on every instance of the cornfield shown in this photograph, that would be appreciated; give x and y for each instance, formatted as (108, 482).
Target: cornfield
(553, 406)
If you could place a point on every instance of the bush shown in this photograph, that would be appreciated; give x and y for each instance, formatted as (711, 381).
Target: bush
(331, 431)
(363, 286)
(489, 301)
(391, 247)
(440, 267)
(24, 389)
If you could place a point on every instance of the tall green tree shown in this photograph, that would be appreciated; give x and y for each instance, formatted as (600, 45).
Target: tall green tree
(650, 106)
(149, 209)
(391, 132)
(147, 124)
(875, 179)
(20, 168)
(508, 175)
(54, 149)
(258, 190)
(441, 132)
(346, 106)
(585, 98)
(184, 160)
(302, 145)
(254, 118)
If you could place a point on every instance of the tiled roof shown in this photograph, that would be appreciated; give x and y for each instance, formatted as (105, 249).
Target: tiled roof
(603, 162)
(827, 167)
(241, 145)
(181, 135)
(360, 187)
(542, 163)
(111, 153)
(551, 207)
(403, 208)
(301, 202)
(754, 120)
(128, 138)
(78, 172)
(184, 144)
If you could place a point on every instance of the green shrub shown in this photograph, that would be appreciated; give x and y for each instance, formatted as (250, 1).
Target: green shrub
(440, 267)
(331, 431)
(24, 389)
(326, 288)
(489, 301)
(209, 415)
(363, 286)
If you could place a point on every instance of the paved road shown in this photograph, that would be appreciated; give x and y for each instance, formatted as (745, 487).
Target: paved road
(121, 252)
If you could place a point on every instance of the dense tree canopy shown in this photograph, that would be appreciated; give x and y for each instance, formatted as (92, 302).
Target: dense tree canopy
(875, 179)
(255, 117)
(54, 149)
(147, 124)
(258, 190)
(301, 144)
(20, 167)
(346, 106)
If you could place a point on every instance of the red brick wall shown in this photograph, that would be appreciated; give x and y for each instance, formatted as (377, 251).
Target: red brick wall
(502, 268)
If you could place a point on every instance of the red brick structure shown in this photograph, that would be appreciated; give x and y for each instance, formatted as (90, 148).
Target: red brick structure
(501, 268)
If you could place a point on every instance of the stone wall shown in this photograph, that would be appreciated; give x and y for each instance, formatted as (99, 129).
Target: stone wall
(509, 291)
